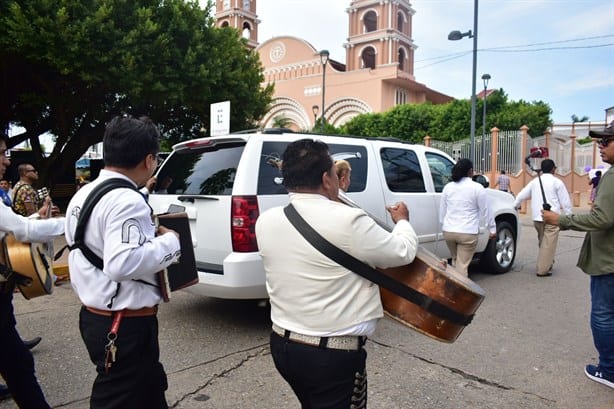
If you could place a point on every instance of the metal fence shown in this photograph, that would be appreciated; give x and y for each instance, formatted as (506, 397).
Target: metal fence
(510, 155)
(509, 152)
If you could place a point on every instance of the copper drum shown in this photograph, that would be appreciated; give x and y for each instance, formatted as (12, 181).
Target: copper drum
(433, 278)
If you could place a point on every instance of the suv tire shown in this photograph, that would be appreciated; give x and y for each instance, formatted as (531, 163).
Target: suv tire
(498, 258)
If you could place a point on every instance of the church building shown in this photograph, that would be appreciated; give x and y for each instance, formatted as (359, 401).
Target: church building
(377, 75)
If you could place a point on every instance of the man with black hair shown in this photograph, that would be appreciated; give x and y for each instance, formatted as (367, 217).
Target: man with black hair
(597, 259)
(558, 198)
(321, 311)
(16, 362)
(25, 198)
(114, 270)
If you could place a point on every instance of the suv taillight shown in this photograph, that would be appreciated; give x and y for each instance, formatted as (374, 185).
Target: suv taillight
(243, 223)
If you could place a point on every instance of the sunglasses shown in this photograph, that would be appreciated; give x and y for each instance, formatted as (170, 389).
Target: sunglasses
(604, 142)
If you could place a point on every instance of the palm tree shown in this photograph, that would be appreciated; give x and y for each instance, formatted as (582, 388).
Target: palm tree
(281, 121)
(574, 118)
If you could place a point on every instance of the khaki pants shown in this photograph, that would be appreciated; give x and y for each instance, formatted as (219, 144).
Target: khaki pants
(462, 246)
(547, 237)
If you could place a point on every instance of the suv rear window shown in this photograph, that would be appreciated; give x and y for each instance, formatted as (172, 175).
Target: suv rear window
(269, 175)
(200, 171)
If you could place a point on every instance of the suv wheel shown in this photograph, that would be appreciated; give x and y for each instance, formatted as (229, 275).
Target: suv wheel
(499, 255)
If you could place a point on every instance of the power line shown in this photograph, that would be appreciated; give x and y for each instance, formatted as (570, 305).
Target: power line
(520, 48)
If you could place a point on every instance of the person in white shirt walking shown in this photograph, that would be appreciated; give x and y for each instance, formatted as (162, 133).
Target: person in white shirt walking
(113, 270)
(463, 206)
(321, 311)
(558, 198)
(16, 361)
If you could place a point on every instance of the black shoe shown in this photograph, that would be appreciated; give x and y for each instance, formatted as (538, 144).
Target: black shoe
(4, 392)
(32, 342)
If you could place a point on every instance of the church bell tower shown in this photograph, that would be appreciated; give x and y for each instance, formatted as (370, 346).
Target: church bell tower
(239, 14)
(380, 35)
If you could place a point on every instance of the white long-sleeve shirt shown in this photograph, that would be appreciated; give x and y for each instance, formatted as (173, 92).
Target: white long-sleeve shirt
(463, 205)
(556, 196)
(313, 295)
(121, 232)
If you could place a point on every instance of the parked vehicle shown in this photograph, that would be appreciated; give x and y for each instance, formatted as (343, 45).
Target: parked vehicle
(225, 182)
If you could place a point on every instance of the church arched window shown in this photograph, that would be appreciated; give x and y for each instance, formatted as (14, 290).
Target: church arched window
(370, 21)
(402, 58)
(368, 58)
(247, 30)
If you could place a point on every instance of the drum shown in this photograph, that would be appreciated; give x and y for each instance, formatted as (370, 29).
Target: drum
(456, 296)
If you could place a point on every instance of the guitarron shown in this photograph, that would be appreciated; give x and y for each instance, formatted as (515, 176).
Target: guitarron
(30, 260)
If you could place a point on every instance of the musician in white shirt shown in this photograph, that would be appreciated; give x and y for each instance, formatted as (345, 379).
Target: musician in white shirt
(321, 311)
(121, 232)
(463, 205)
(16, 362)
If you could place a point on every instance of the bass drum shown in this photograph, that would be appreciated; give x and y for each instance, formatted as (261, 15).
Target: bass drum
(433, 278)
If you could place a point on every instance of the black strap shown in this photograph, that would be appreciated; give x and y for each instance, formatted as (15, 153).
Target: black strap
(364, 270)
(86, 211)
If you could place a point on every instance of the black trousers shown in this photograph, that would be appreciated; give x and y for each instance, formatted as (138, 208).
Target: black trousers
(322, 378)
(16, 362)
(137, 378)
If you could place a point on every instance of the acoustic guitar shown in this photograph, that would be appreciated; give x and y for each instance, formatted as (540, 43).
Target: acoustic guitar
(30, 260)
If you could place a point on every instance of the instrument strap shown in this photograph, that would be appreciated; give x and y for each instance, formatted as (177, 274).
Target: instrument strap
(86, 211)
(364, 270)
(84, 215)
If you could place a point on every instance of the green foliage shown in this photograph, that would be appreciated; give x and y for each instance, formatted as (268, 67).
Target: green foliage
(575, 118)
(451, 121)
(68, 66)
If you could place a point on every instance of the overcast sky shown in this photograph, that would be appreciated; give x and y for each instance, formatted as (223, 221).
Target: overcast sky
(568, 62)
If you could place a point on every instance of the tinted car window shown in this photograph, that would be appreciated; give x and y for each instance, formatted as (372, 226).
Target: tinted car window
(402, 170)
(270, 178)
(441, 170)
(200, 171)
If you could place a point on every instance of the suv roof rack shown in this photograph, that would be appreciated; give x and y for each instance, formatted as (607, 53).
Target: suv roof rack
(265, 131)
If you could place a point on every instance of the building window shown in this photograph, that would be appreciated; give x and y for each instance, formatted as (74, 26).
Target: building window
(402, 59)
(400, 22)
(370, 21)
(368, 58)
(400, 96)
(246, 5)
(226, 4)
(247, 31)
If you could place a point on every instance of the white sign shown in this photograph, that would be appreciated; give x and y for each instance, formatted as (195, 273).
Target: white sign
(220, 118)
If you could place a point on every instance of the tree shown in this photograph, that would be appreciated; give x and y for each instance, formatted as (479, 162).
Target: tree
(575, 118)
(68, 66)
(451, 121)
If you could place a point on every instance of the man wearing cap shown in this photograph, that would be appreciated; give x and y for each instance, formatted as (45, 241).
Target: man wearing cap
(558, 198)
(597, 259)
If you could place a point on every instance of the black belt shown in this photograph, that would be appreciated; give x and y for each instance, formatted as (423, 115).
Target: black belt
(344, 342)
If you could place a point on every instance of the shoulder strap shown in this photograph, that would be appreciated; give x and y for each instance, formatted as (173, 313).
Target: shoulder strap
(86, 211)
(364, 270)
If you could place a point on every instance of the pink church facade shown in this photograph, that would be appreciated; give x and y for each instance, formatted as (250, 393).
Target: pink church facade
(376, 76)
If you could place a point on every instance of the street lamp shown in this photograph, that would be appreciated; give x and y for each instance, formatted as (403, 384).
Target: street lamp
(485, 78)
(457, 35)
(324, 54)
(315, 110)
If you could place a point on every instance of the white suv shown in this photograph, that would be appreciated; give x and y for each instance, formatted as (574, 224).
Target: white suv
(225, 182)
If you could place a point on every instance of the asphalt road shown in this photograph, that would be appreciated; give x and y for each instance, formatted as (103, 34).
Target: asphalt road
(526, 348)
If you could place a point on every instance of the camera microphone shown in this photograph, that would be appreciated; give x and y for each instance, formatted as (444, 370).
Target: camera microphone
(537, 153)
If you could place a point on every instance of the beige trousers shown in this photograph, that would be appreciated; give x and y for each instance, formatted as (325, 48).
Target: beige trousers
(547, 237)
(462, 246)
